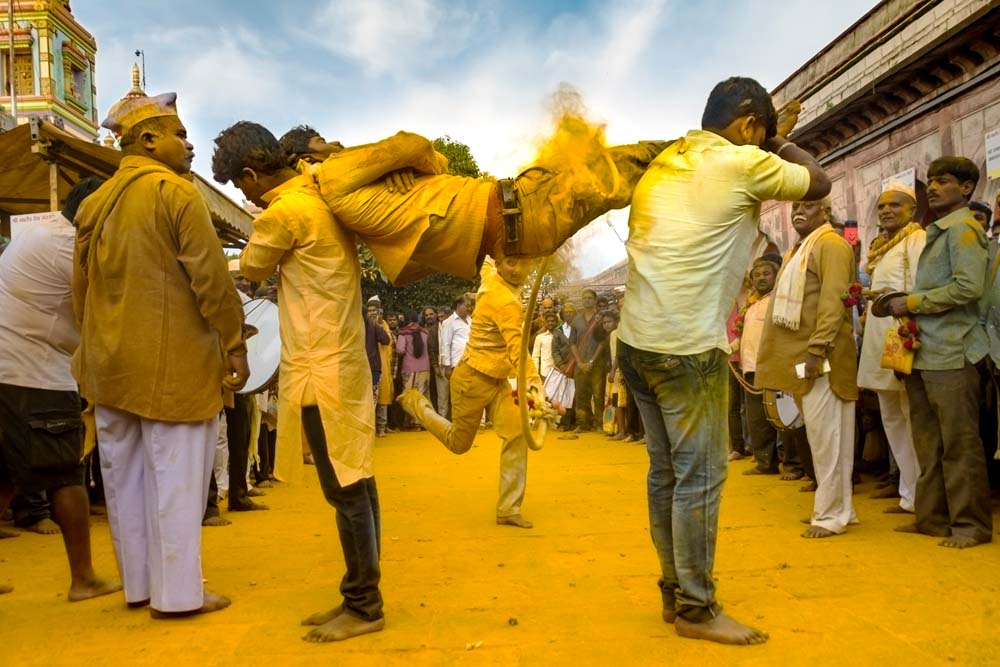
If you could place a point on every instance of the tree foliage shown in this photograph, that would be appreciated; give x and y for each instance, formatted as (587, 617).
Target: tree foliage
(460, 159)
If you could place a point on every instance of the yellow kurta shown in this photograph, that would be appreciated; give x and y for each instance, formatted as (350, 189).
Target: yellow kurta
(826, 327)
(386, 388)
(157, 307)
(323, 359)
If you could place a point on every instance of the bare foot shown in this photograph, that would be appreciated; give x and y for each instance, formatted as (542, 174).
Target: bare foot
(212, 602)
(896, 509)
(735, 456)
(266, 484)
(721, 629)
(215, 521)
(514, 520)
(959, 542)
(669, 615)
(45, 527)
(757, 471)
(245, 505)
(93, 588)
(888, 492)
(252, 492)
(344, 626)
(5, 534)
(5, 588)
(321, 617)
(792, 476)
(816, 532)
(809, 488)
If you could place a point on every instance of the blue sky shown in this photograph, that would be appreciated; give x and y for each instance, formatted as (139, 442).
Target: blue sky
(479, 71)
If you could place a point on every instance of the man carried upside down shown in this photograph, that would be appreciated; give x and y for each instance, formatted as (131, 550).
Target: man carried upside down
(480, 382)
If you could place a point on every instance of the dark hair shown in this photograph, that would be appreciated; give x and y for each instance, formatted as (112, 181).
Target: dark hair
(155, 125)
(296, 140)
(739, 96)
(981, 206)
(589, 291)
(459, 300)
(413, 317)
(610, 313)
(423, 311)
(961, 168)
(246, 145)
(78, 193)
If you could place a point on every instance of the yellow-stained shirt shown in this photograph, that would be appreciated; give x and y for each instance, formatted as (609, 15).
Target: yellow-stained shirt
(152, 292)
(436, 226)
(323, 359)
(691, 229)
(494, 347)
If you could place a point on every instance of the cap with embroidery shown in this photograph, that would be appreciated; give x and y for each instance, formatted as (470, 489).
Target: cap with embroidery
(136, 107)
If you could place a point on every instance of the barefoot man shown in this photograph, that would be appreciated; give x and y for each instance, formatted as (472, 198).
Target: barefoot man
(479, 383)
(161, 336)
(691, 230)
(41, 432)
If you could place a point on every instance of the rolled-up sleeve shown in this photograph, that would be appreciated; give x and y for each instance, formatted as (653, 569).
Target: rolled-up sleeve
(771, 178)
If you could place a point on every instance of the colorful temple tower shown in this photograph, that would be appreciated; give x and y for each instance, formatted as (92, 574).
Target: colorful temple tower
(53, 73)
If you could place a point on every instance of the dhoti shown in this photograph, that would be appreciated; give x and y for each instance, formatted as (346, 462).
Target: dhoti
(156, 477)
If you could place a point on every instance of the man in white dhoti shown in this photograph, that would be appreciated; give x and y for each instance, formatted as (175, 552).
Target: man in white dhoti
(161, 336)
(892, 265)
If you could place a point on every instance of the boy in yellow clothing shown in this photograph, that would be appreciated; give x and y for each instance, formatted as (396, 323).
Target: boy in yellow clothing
(480, 382)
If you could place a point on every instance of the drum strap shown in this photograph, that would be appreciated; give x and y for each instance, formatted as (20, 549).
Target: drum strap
(750, 389)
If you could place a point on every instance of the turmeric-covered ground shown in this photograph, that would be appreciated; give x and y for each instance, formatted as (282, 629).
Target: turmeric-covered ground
(578, 589)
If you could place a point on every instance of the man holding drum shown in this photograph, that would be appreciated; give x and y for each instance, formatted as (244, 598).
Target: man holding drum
(808, 351)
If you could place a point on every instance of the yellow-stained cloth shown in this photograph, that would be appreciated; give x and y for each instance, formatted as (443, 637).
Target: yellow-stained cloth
(323, 359)
(436, 226)
(156, 305)
(386, 388)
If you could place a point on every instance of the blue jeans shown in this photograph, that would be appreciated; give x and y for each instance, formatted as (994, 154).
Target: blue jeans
(684, 405)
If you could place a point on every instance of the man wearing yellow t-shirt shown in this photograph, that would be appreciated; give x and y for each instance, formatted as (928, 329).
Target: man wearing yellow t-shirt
(691, 228)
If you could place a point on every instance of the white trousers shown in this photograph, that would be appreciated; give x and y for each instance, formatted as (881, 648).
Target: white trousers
(156, 477)
(443, 395)
(830, 427)
(895, 409)
(222, 456)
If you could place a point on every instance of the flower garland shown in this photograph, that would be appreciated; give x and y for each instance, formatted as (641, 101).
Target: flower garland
(881, 245)
(852, 296)
(910, 333)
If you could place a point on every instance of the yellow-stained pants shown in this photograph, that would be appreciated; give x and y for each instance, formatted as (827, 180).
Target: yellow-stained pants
(471, 393)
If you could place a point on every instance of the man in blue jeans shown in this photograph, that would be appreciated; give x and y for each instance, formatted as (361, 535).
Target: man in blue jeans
(691, 227)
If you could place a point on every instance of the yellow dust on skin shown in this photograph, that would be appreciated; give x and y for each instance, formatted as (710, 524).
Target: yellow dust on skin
(577, 590)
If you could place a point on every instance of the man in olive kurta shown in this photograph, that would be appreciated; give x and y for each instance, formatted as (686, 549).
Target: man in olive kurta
(161, 336)
(807, 323)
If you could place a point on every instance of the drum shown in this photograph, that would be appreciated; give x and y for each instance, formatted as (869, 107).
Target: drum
(781, 411)
(264, 348)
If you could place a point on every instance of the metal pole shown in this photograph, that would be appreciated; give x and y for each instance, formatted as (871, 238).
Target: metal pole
(53, 186)
(10, 57)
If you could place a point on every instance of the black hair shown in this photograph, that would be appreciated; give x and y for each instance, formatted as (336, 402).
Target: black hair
(610, 312)
(459, 300)
(296, 140)
(155, 125)
(413, 317)
(962, 168)
(78, 193)
(739, 96)
(246, 145)
(981, 206)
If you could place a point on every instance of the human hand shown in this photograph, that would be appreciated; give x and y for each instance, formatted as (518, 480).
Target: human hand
(447, 371)
(897, 307)
(249, 331)
(400, 181)
(788, 116)
(814, 366)
(237, 371)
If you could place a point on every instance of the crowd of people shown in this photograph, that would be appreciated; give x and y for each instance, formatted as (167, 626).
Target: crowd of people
(123, 332)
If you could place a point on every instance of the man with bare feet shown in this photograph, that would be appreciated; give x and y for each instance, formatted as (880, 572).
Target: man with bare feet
(480, 383)
(691, 230)
(808, 351)
(41, 432)
(952, 496)
(161, 337)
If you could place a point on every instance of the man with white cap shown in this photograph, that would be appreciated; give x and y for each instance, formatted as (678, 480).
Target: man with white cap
(161, 337)
(892, 265)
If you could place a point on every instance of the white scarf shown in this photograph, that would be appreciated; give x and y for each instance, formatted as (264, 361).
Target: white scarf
(791, 286)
